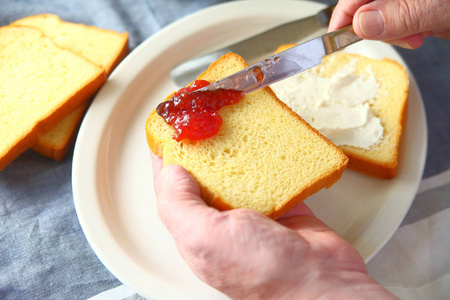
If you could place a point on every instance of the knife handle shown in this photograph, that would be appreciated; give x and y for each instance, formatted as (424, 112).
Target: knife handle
(339, 39)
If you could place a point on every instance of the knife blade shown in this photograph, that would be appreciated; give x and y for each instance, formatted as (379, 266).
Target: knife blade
(286, 63)
(256, 47)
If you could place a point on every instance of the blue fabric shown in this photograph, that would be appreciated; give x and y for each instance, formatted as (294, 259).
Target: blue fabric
(430, 66)
(43, 251)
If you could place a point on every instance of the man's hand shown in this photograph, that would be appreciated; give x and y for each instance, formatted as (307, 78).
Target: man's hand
(403, 23)
(247, 255)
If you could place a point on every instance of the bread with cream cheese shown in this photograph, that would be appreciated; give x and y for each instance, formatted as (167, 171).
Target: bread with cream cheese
(40, 84)
(389, 105)
(105, 48)
(264, 157)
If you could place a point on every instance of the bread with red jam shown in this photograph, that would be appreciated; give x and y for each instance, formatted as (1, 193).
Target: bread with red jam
(264, 157)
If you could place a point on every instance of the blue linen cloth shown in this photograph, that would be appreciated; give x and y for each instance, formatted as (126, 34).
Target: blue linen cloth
(43, 251)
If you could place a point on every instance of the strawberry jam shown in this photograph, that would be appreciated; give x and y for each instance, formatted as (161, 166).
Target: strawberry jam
(194, 114)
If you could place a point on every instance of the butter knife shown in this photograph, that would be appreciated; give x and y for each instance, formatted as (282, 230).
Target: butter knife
(256, 47)
(287, 63)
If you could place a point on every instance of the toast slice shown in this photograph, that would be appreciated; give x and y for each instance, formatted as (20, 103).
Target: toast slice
(389, 105)
(40, 84)
(57, 142)
(264, 157)
(105, 48)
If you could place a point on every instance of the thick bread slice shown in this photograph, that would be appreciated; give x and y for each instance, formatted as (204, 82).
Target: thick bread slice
(105, 48)
(390, 105)
(57, 142)
(40, 84)
(265, 157)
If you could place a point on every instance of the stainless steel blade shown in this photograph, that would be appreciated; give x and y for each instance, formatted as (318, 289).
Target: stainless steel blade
(255, 48)
(287, 63)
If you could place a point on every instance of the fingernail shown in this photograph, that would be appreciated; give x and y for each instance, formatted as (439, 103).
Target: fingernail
(371, 23)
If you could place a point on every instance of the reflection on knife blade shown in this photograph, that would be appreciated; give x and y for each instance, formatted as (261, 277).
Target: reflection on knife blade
(257, 47)
(193, 110)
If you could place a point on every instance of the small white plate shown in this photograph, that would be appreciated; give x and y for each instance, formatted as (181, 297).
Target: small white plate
(112, 174)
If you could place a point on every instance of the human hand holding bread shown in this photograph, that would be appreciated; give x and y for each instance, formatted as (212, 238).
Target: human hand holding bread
(245, 255)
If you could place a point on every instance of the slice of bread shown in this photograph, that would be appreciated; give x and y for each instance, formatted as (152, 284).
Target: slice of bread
(105, 48)
(389, 105)
(40, 84)
(265, 157)
(57, 142)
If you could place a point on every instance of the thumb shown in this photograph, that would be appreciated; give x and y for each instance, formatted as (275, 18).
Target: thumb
(176, 191)
(180, 207)
(407, 21)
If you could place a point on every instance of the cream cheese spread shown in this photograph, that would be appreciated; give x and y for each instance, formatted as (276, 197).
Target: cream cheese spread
(337, 106)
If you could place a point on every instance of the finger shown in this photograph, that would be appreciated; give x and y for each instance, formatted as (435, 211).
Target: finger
(442, 34)
(300, 209)
(409, 42)
(179, 202)
(344, 12)
(157, 165)
(397, 19)
(305, 223)
(178, 191)
(319, 234)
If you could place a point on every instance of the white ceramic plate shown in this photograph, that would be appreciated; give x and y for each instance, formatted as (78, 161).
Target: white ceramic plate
(112, 174)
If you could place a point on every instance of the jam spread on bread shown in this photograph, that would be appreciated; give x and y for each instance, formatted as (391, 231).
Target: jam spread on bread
(194, 114)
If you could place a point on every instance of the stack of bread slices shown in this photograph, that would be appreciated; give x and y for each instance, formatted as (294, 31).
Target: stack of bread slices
(50, 69)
